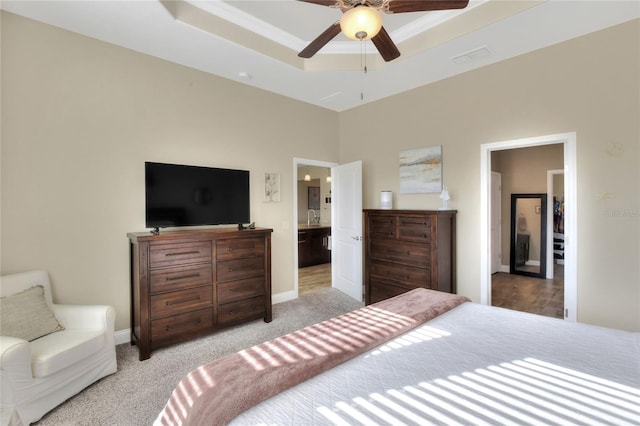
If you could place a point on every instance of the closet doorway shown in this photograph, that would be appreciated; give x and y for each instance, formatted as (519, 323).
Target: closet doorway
(568, 143)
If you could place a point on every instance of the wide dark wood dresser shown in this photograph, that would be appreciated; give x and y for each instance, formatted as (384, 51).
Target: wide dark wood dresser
(406, 249)
(189, 283)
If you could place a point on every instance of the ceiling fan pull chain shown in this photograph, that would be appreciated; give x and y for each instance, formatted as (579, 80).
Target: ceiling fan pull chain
(363, 66)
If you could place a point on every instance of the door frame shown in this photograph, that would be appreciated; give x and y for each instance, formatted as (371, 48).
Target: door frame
(301, 162)
(550, 195)
(569, 141)
(496, 214)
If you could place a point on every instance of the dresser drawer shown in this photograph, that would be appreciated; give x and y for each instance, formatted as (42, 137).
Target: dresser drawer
(408, 253)
(240, 311)
(418, 277)
(414, 228)
(382, 227)
(179, 253)
(239, 247)
(179, 301)
(190, 323)
(382, 290)
(238, 269)
(238, 290)
(180, 277)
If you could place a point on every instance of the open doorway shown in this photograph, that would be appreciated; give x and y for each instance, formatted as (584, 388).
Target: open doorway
(568, 143)
(312, 219)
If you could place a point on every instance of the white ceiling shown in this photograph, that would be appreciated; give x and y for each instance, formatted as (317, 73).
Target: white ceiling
(256, 42)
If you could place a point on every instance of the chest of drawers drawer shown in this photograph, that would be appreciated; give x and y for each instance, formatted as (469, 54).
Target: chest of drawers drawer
(179, 253)
(420, 277)
(179, 277)
(239, 248)
(238, 290)
(230, 270)
(414, 228)
(180, 301)
(408, 253)
(382, 227)
(240, 311)
(179, 326)
(380, 290)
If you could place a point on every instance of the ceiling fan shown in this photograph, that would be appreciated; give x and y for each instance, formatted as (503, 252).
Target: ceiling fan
(362, 20)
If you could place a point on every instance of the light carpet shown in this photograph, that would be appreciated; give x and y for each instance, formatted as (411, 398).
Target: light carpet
(138, 391)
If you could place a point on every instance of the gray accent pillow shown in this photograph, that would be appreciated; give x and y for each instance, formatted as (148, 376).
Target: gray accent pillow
(26, 315)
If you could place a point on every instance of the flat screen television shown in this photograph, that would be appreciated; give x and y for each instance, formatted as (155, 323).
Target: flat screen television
(180, 195)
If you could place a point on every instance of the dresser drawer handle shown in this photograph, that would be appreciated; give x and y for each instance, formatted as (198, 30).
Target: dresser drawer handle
(230, 269)
(177, 302)
(408, 252)
(230, 249)
(182, 277)
(182, 253)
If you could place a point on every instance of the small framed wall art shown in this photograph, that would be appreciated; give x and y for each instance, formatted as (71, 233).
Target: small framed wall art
(272, 187)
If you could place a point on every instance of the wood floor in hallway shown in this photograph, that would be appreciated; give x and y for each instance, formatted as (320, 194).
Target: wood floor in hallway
(527, 294)
(314, 277)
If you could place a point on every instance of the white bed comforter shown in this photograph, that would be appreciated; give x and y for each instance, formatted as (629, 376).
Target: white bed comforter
(474, 365)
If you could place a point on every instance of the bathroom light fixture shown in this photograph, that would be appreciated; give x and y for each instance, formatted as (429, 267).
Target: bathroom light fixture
(361, 23)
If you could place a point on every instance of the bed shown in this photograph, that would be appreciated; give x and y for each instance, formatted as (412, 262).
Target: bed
(423, 357)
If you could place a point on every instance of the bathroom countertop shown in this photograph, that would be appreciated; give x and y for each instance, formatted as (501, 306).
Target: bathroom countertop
(313, 226)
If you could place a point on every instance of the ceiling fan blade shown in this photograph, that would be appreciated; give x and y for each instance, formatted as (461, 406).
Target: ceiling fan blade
(385, 45)
(322, 2)
(320, 41)
(401, 6)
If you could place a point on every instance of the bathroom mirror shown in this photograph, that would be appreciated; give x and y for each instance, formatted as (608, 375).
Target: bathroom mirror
(313, 197)
(528, 234)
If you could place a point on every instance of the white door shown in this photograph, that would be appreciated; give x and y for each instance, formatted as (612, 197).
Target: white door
(496, 221)
(346, 229)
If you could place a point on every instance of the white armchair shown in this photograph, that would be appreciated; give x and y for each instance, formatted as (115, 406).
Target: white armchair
(37, 376)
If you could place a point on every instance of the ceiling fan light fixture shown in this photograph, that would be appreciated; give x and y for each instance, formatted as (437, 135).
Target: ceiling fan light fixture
(361, 23)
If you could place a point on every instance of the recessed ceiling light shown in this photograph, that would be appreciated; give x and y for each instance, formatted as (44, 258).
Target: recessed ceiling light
(244, 75)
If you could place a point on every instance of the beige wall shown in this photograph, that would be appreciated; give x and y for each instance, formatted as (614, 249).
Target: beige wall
(79, 119)
(589, 85)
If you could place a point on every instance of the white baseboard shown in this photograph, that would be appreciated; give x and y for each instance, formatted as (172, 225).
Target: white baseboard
(505, 268)
(283, 297)
(124, 336)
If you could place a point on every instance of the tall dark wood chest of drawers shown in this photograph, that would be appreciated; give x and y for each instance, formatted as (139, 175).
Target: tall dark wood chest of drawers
(406, 249)
(186, 284)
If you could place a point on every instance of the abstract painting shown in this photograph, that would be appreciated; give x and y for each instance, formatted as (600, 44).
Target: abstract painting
(421, 170)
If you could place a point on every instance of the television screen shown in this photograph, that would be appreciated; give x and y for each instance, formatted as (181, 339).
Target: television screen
(178, 195)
